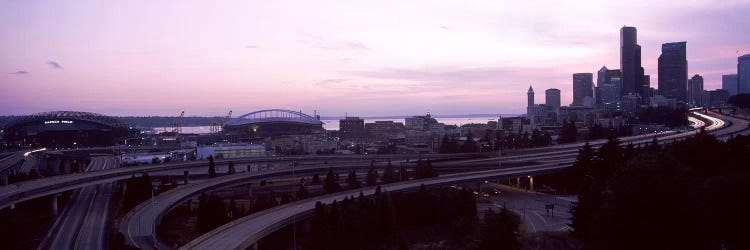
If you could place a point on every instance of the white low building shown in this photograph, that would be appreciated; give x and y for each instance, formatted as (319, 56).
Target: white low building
(230, 150)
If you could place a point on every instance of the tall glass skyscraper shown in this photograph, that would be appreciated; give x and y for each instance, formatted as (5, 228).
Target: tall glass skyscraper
(630, 62)
(552, 98)
(583, 86)
(673, 74)
(729, 83)
(695, 90)
(743, 74)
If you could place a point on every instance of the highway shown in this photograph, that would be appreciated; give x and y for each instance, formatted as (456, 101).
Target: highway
(83, 223)
(246, 231)
(9, 161)
(530, 206)
(27, 190)
(695, 122)
(138, 225)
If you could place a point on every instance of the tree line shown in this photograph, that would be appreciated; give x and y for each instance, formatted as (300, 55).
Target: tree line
(690, 194)
(740, 100)
(365, 222)
(663, 115)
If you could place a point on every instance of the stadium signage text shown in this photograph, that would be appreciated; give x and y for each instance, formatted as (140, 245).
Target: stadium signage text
(58, 122)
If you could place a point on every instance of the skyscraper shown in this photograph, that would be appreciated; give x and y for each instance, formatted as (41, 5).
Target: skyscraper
(610, 92)
(583, 87)
(743, 74)
(695, 90)
(601, 79)
(630, 62)
(601, 76)
(673, 71)
(604, 80)
(729, 83)
(552, 98)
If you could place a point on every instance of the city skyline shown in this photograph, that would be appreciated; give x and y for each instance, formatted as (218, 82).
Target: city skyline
(124, 59)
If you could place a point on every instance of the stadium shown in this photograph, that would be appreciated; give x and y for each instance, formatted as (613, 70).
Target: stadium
(64, 129)
(272, 123)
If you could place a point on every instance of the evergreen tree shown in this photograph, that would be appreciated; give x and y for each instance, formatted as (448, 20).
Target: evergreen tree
(445, 145)
(302, 192)
(211, 166)
(230, 168)
(500, 230)
(424, 170)
(352, 180)
(469, 146)
(316, 178)
(403, 174)
(211, 213)
(372, 177)
(331, 184)
(389, 174)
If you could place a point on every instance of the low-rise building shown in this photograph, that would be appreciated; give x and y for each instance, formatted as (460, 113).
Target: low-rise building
(718, 97)
(230, 150)
(384, 129)
(351, 127)
(661, 101)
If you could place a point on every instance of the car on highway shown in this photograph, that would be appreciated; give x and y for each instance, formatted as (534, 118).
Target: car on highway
(495, 192)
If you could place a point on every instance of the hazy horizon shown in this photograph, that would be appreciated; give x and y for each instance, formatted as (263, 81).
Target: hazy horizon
(365, 59)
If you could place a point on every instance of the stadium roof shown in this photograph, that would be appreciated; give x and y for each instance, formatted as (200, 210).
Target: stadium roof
(274, 115)
(71, 115)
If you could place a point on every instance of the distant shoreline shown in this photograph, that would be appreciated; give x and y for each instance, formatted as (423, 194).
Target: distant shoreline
(166, 121)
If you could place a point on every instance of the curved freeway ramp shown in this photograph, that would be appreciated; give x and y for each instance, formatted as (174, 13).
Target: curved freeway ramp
(27, 190)
(246, 231)
(138, 225)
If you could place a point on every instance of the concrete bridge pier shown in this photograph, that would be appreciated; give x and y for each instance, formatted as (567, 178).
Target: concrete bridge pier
(531, 183)
(306, 226)
(67, 166)
(54, 205)
(249, 191)
(518, 182)
(53, 164)
(4, 179)
(187, 177)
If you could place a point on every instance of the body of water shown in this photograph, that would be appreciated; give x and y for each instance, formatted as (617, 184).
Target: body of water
(334, 124)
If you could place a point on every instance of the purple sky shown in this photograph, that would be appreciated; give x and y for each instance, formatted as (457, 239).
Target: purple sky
(372, 58)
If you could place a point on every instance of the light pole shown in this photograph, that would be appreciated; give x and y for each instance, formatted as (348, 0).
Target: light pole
(153, 212)
(294, 219)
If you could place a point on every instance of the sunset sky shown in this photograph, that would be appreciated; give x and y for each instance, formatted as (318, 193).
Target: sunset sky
(366, 58)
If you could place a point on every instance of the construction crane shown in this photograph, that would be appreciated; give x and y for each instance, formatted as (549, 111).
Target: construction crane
(217, 124)
(177, 124)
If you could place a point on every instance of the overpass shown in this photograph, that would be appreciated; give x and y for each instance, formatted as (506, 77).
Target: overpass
(83, 224)
(143, 236)
(245, 232)
(27, 190)
(32, 189)
(138, 226)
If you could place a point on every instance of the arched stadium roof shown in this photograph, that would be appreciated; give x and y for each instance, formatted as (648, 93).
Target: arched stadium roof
(68, 115)
(274, 115)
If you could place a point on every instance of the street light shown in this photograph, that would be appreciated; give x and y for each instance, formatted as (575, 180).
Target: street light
(294, 219)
